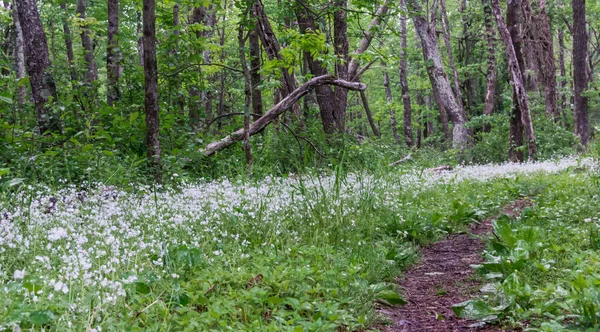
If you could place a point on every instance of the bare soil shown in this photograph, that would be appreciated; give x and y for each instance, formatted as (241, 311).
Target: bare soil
(443, 278)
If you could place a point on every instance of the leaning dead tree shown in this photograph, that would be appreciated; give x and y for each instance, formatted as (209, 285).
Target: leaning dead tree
(281, 107)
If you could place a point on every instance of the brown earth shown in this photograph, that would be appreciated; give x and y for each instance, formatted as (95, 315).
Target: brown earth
(441, 279)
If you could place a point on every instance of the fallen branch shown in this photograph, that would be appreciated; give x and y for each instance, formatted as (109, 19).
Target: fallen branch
(278, 109)
(403, 160)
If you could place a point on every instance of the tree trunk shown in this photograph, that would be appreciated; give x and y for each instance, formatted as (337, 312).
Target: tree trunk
(68, 43)
(447, 36)
(151, 89)
(19, 53)
(210, 20)
(491, 72)
(391, 109)
(248, 94)
(563, 75)
(516, 74)
(340, 46)
(461, 136)
(221, 100)
(91, 74)
(37, 64)
(326, 97)
(113, 56)
(140, 39)
(255, 79)
(407, 123)
(539, 35)
(196, 96)
(272, 47)
(369, 114)
(580, 71)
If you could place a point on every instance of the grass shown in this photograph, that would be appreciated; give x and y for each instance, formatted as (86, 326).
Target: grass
(300, 253)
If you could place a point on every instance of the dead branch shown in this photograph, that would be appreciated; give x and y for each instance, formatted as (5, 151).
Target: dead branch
(278, 109)
(403, 160)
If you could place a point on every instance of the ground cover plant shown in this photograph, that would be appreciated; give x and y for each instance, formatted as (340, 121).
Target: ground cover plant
(297, 253)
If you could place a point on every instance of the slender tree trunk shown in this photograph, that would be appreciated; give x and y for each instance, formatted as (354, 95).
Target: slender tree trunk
(37, 64)
(151, 89)
(140, 39)
(248, 94)
(407, 118)
(196, 96)
(447, 36)
(210, 20)
(255, 79)
(516, 76)
(490, 86)
(113, 56)
(369, 114)
(580, 70)
(563, 75)
(19, 54)
(515, 153)
(221, 101)
(461, 136)
(68, 42)
(388, 97)
(91, 74)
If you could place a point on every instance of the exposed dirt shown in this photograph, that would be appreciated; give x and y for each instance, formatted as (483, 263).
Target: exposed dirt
(441, 279)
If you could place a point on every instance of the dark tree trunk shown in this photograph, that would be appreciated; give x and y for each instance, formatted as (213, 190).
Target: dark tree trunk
(580, 70)
(407, 118)
(151, 89)
(441, 87)
(221, 100)
(491, 72)
(326, 97)
(19, 54)
(113, 55)
(255, 79)
(210, 19)
(563, 75)
(68, 42)
(340, 46)
(38, 64)
(515, 68)
(369, 114)
(91, 73)
(140, 39)
(196, 96)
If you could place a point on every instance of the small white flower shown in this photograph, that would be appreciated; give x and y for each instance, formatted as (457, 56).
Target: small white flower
(57, 233)
(19, 274)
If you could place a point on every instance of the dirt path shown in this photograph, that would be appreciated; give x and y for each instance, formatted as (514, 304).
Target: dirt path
(442, 278)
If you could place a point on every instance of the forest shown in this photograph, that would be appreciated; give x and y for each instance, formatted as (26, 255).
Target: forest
(301, 165)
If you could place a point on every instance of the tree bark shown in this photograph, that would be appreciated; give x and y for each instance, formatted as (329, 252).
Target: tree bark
(447, 36)
(491, 72)
(91, 74)
(369, 114)
(196, 96)
(255, 79)
(340, 47)
(19, 54)
(279, 108)
(407, 118)
(68, 42)
(113, 55)
(516, 77)
(461, 137)
(580, 70)
(563, 75)
(539, 35)
(37, 63)
(151, 89)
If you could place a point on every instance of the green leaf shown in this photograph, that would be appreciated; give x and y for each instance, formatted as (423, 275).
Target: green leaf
(474, 309)
(390, 296)
(6, 100)
(41, 317)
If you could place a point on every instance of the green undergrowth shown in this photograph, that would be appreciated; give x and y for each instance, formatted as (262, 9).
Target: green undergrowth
(542, 268)
(322, 273)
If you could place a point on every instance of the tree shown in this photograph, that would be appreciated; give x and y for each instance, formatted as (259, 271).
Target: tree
(43, 88)
(19, 55)
(491, 72)
(91, 73)
(112, 54)
(515, 73)
(442, 90)
(407, 123)
(151, 89)
(580, 71)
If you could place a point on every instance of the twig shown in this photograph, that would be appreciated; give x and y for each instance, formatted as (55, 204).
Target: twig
(302, 138)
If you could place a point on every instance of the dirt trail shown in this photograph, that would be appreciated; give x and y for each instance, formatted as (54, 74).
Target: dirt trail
(442, 278)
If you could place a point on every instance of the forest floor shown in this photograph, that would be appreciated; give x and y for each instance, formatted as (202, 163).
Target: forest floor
(307, 253)
(442, 278)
